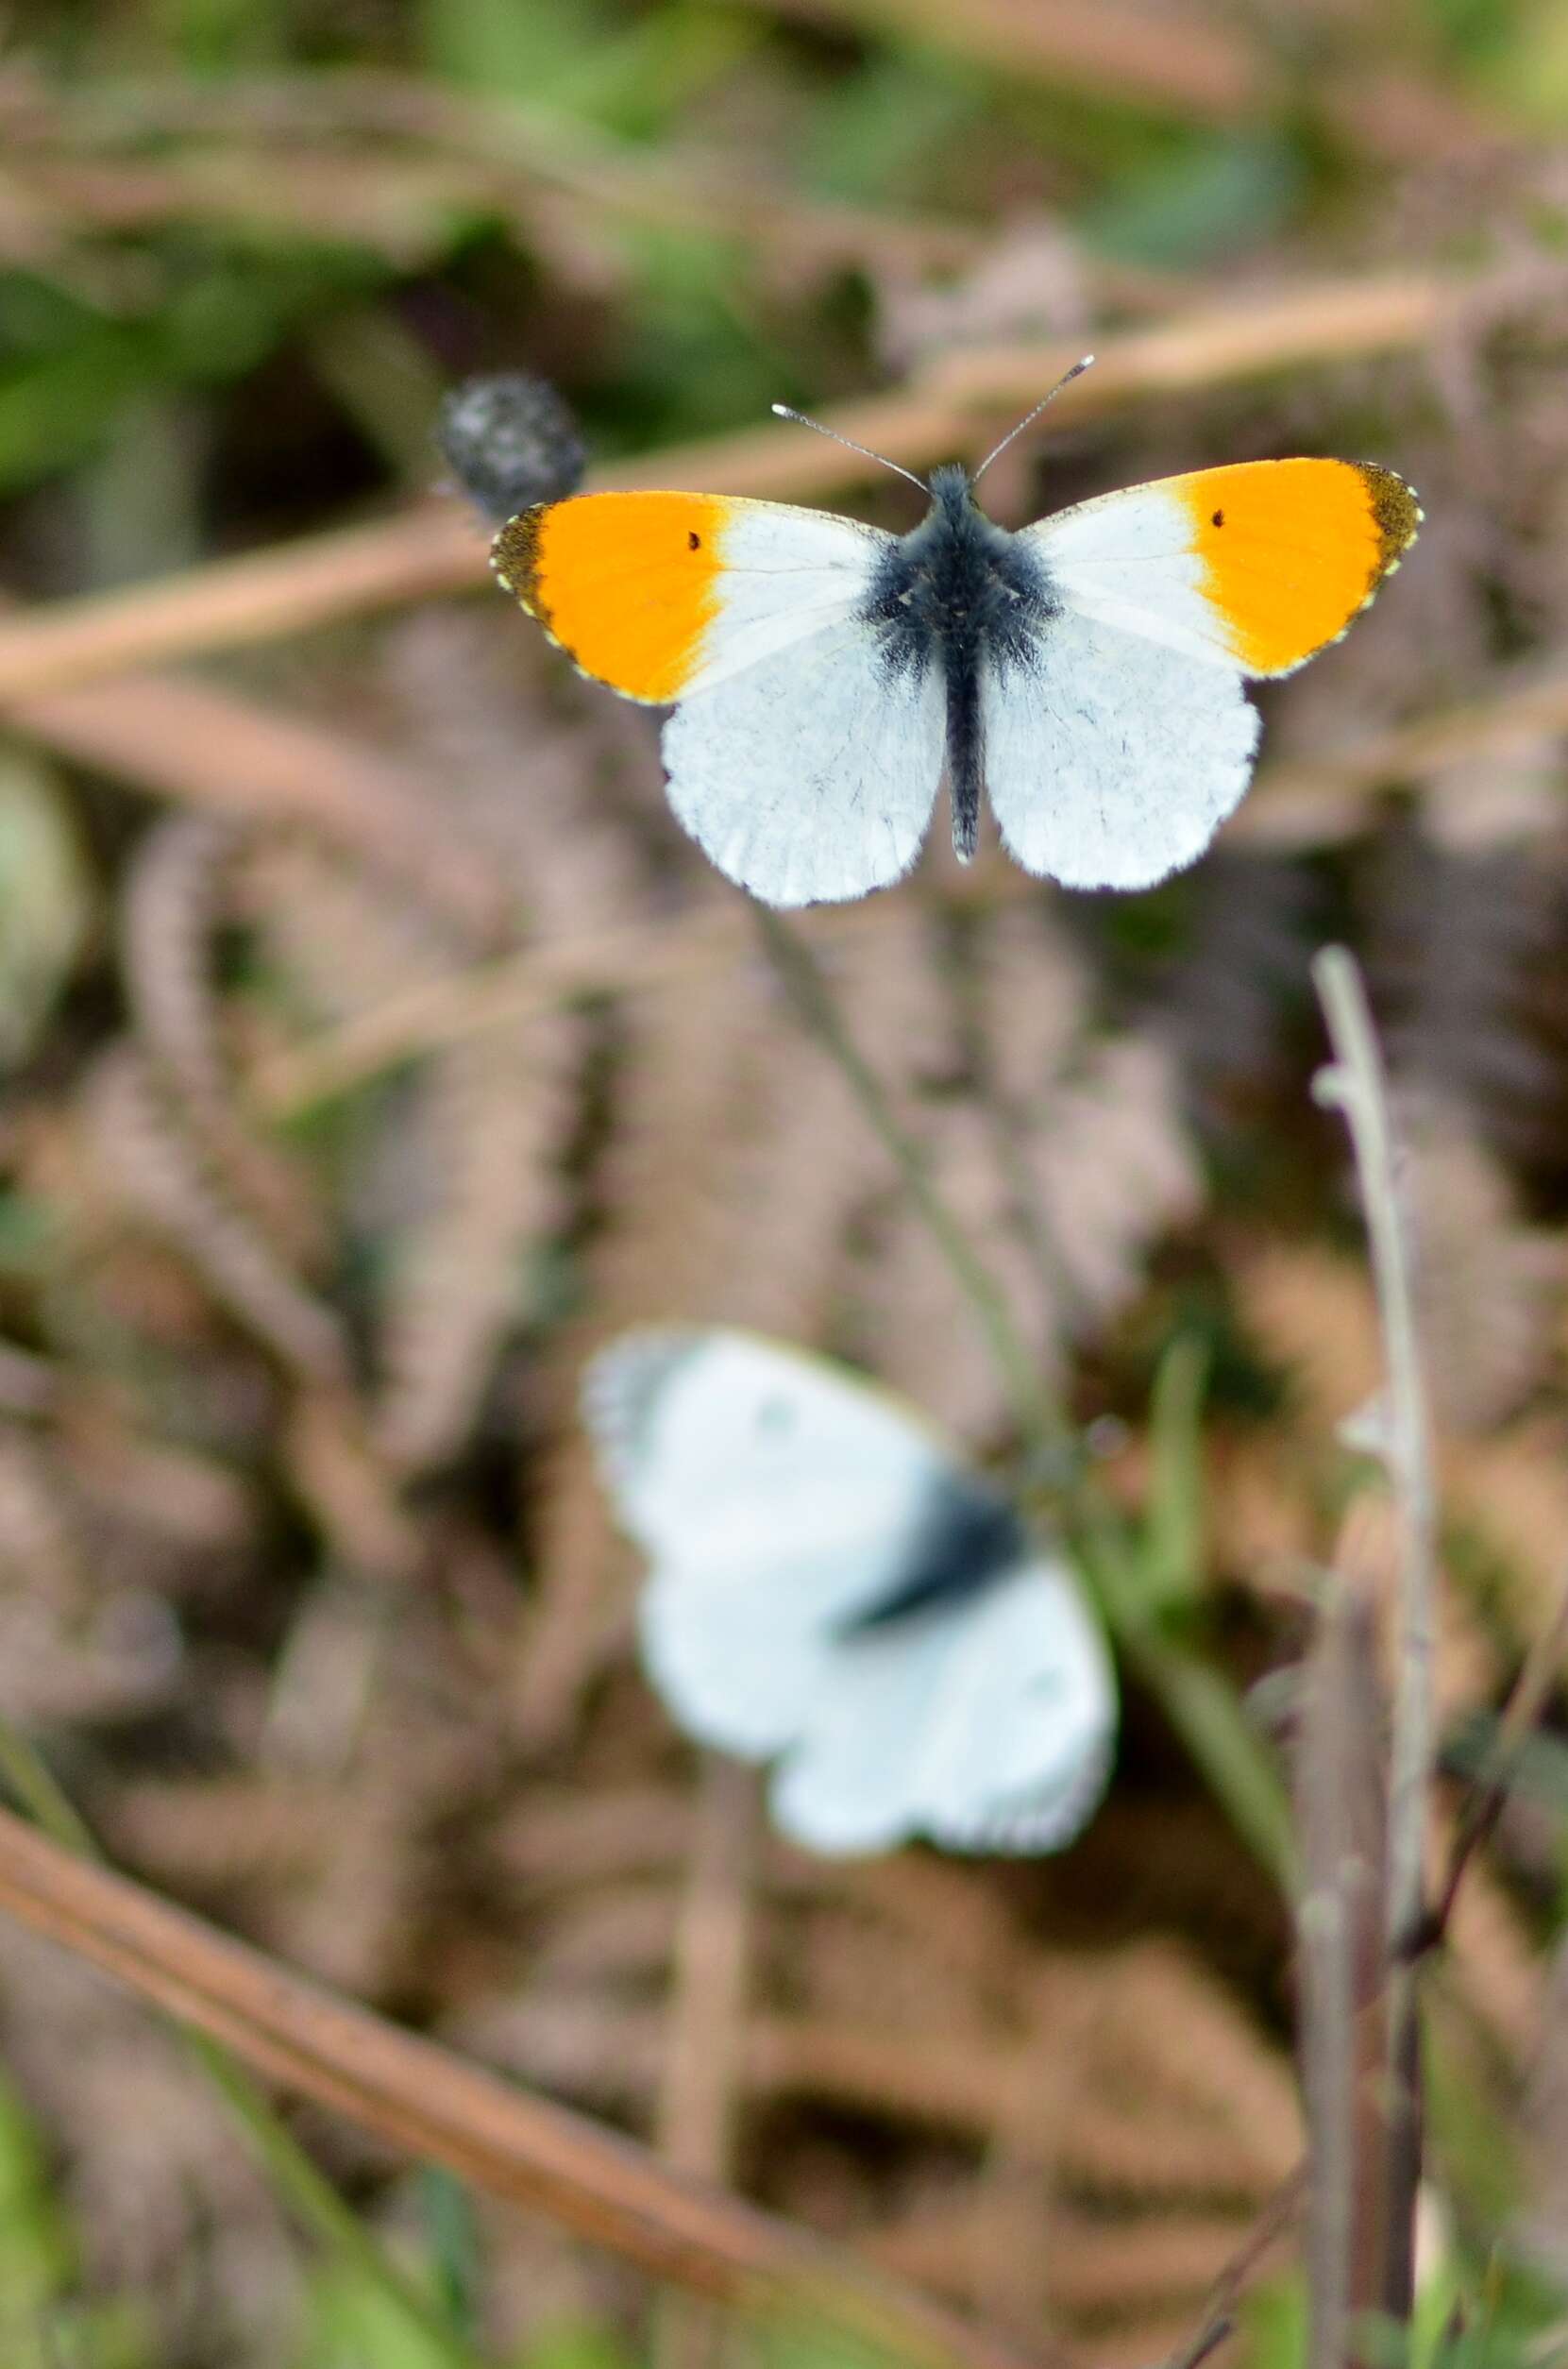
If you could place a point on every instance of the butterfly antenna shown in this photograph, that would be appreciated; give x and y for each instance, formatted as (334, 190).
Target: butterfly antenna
(1065, 380)
(783, 411)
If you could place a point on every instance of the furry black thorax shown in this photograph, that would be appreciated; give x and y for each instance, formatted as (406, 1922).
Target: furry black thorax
(964, 1539)
(959, 592)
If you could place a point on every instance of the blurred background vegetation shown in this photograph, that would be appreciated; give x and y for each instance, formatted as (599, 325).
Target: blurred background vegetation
(375, 1045)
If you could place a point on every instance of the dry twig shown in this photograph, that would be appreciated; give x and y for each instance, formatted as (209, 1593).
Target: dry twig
(1355, 1085)
(424, 2100)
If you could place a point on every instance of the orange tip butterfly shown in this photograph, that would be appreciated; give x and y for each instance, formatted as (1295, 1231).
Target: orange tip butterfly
(1087, 671)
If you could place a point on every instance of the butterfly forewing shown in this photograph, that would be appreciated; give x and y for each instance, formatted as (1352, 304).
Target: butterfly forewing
(661, 595)
(1256, 567)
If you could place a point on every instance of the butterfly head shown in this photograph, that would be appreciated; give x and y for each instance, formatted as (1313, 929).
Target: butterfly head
(952, 491)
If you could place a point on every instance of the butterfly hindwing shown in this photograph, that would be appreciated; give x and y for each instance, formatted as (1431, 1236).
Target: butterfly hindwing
(810, 778)
(983, 1722)
(1110, 759)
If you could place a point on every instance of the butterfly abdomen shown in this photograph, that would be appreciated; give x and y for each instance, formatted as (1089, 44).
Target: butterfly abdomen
(961, 593)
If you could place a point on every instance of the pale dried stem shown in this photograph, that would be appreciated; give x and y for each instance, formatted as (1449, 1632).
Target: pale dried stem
(1343, 1969)
(702, 2076)
(1356, 1087)
(436, 2106)
(215, 750)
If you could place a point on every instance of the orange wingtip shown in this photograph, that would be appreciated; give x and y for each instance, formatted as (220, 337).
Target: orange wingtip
(626, 584)
(1291, 550)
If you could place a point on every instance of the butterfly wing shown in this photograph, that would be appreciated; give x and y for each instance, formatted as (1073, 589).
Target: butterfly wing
(802, 764)
(661, 595)
(811, 777)
(1253, 568)
(984, 1723)
(1119, 739)
(778, 1502)
(1110, 761)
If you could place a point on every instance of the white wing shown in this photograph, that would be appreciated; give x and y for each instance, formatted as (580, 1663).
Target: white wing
(1129, 560)
(809, 777)
(778, 1500)
(984, 1723)
(725, 1447)
(786, 575)
(783, 1504)
(1111, 760)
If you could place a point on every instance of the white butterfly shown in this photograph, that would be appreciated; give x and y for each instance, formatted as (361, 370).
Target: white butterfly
(1087, 671)
(833, 1590)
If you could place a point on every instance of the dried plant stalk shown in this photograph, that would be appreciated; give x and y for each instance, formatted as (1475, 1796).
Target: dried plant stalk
(423, 2099)
(1338, 1922)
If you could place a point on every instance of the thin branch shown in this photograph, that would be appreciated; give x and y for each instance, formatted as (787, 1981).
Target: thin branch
(316, 2204)
(215, 750)
(524, 986)
(1218, 2318)
(424, 2100)
(437, 547)
(1355, 1085)
(375, 142)
(1314, 802)
(1184, 62)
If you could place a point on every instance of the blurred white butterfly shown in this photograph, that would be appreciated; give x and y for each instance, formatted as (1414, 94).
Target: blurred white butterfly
(832, 1589)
